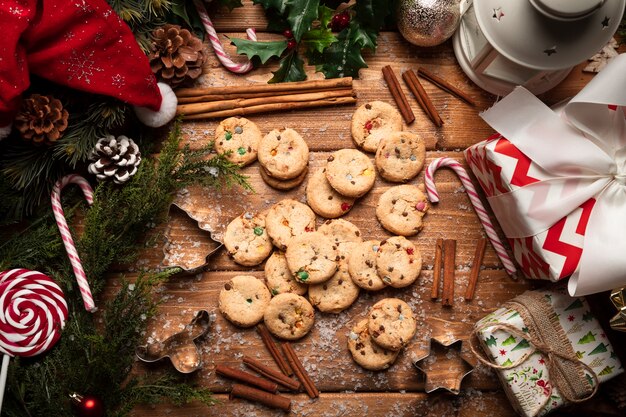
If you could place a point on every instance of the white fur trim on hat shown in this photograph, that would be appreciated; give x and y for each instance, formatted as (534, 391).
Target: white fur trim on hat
(4, 131)
(166, 112)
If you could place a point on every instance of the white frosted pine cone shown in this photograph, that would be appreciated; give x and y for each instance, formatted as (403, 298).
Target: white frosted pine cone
(115, 158)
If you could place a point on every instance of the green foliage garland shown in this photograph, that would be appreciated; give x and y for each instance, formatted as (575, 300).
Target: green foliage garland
(95, 353)
(335, 56)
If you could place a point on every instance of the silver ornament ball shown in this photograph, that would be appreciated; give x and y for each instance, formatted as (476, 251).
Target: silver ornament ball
(427, 22)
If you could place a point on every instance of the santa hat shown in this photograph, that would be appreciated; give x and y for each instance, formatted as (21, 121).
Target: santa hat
(81, 44)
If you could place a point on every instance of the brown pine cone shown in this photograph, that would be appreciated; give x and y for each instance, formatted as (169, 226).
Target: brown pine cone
(115, 158)
(42, 119)
(177, 55)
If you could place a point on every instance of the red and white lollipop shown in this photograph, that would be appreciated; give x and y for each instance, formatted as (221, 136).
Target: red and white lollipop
(33, 311)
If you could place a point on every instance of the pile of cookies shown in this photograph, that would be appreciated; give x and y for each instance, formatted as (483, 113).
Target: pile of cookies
(283, 155)
(376, 341)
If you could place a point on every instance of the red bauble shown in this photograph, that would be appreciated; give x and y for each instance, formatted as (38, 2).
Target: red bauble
(87, 405)
(340, 21)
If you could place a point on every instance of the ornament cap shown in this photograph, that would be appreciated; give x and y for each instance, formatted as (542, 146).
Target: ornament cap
(166, 111)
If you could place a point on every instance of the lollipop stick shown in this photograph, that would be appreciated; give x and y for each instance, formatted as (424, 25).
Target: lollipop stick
(3, 377)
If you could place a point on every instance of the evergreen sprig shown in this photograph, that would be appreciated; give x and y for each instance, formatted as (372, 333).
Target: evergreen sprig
(95, 357)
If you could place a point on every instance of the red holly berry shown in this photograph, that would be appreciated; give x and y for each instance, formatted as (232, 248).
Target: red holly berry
(291, 44)
(340, 21)
(345, 206)
(287, 33)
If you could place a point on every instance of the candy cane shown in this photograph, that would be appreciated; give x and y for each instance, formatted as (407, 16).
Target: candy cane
(433, 196)
(217, 44)
(83, 285)
(33, 311)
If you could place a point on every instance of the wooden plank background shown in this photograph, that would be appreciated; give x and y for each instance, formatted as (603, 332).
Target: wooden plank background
(347, 389)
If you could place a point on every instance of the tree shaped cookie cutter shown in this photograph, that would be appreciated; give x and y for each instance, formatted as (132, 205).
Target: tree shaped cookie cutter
(180, 348)
(172, 260)
(444, 334)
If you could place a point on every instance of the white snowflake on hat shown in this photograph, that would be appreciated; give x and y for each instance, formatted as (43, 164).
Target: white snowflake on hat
(83, 45)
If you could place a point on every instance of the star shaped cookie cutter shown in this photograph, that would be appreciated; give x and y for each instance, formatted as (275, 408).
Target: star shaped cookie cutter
(180, 348)
(444, 377)
(172, 259)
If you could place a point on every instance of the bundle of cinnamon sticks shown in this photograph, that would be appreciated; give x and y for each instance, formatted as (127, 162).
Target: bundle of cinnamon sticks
(264, 388)
(220, 102)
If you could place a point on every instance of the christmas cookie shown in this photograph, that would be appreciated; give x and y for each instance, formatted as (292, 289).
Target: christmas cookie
(400, 156)
(367, 353)
(282, 185)
(323, 198)
(398, 262)
(334, 295)
(350, 172)
(286, 219)
(373, 121)
(362, 266)
(284, 154)
(279, 278)
(343, 234)
(246, 239)
(391, 324)
(239, 138)
(312, 257)
(243, 300)
(401, 209)
(289, 316)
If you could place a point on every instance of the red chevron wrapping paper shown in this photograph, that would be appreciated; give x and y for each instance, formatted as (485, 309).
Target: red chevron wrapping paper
(554, 254)
(556, 181)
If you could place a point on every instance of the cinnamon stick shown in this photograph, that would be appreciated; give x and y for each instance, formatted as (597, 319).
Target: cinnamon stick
(239, 375)
(266, 108)
(266, 88)
(219, 97)
(253, 394)
(196, 108)
(422, 97)
(299, 370)
(449, 254)
(273, 349)
(445, 85)
(271, 374)
(398, 95)
(434, 293)
(478, 260)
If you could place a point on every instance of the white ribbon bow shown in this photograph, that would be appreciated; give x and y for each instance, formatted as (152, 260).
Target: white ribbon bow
(582, 152)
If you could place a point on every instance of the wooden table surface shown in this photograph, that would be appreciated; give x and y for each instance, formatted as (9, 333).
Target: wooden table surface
(347, 389)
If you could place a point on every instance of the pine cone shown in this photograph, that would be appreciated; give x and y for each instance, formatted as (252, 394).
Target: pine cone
(177, 55)
(42, 119)
(116, 158)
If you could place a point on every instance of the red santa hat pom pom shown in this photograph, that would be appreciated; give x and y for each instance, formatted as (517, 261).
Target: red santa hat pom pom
(4, 131)
(166, 111)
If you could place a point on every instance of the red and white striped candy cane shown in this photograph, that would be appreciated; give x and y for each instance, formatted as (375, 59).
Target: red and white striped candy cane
(59, 215)
(433, 196)
(241, 68)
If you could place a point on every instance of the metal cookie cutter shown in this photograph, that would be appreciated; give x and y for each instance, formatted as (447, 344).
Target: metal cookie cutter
(180, 347)
(174, 255)
(443, 376)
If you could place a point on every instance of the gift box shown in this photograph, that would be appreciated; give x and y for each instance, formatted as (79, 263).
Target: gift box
(555, 180)
(549, 350)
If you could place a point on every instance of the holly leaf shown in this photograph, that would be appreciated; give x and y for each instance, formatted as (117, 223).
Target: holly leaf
(279, 5)
(276, 21)
(291, 69)
(263, 50)
(325, 15)
(301, 14)
(364, 37)
(341, 59)
(373, 12)
(230, 4)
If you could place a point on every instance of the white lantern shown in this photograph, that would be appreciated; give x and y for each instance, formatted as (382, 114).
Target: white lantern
(535, 43)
